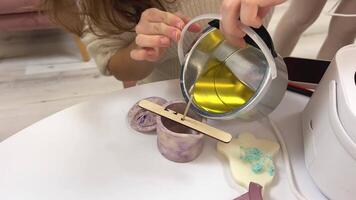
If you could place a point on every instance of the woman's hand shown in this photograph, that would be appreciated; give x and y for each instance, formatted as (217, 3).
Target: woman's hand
(251, 13)
(155, 32)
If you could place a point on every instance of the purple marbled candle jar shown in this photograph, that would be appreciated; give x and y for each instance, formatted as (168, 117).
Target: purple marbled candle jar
(176, 142)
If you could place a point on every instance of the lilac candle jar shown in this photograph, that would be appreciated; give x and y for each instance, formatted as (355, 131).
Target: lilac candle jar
(176, 142)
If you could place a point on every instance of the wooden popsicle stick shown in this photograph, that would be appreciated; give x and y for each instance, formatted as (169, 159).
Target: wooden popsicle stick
(189, 122)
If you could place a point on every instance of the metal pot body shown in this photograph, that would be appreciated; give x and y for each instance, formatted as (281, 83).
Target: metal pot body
(225, 82)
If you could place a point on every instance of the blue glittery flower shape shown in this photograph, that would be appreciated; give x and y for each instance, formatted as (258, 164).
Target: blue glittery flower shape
(258, 159)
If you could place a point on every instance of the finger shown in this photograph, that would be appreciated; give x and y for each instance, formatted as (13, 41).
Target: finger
(152, 41)
(154, 54)
(233, 33)
(158, 29)
(194, 27)
(230, 12)
(232, 30)
(237, 42)
(138, 54)
(145, 54)
(248, 15)
(156, 15)
(262, 12)
(234, 40)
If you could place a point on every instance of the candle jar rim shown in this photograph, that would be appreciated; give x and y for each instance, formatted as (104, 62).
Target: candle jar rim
(194, 134)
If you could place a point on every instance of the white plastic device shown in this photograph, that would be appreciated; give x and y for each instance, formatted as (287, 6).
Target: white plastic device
(329, 128)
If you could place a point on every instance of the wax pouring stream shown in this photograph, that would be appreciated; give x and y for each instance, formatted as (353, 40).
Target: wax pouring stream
(220, 81)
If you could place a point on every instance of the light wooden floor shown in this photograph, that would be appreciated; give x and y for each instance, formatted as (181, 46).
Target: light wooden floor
(41, 72)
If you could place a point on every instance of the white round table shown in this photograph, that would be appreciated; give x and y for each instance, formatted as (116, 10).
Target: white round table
(88, 151)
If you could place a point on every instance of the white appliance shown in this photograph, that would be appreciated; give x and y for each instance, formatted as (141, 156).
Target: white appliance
(329, 128)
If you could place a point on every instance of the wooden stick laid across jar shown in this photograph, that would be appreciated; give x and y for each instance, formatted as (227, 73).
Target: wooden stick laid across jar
(187, 121)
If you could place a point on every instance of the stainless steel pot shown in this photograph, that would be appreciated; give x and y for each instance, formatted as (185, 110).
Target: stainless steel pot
(225, 82)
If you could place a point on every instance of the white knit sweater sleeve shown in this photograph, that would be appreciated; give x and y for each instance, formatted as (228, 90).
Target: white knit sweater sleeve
(101, 49)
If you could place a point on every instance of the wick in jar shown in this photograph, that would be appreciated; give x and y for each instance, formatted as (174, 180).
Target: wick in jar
(189, 103)
(187, 107)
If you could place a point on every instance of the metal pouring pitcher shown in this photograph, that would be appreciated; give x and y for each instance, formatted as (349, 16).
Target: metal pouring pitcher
(226, 82)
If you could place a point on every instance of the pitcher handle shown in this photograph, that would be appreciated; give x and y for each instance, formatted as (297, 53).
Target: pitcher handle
(252, 34)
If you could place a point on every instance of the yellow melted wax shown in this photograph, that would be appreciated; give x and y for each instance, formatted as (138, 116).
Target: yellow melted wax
(217, 90)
